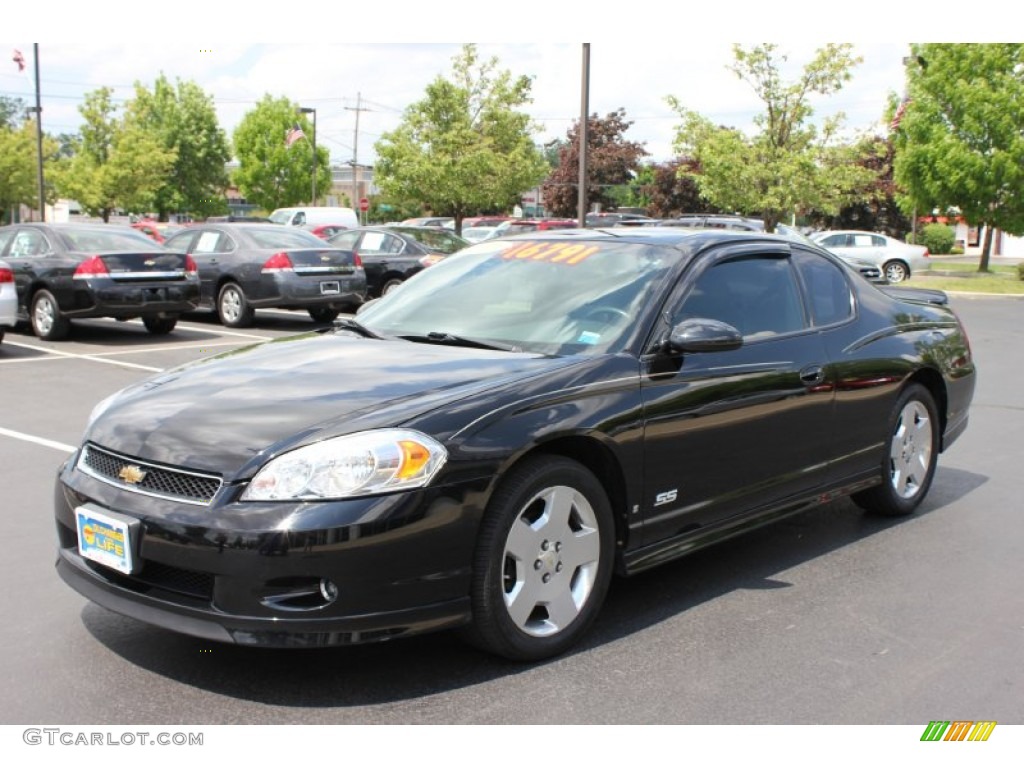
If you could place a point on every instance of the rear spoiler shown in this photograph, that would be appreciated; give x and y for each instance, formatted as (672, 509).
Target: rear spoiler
(919, 295)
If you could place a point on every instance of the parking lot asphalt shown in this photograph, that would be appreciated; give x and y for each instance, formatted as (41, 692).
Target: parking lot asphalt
(827, 617)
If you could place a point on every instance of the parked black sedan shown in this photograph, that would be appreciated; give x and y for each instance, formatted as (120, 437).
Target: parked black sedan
(486, 446)
(243, 267)
(393, 254)
(67, 271)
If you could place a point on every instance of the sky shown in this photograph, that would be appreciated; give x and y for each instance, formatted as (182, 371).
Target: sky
(374, 61)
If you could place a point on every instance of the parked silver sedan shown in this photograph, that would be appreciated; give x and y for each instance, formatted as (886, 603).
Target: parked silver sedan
(897, 260)
(8, 298)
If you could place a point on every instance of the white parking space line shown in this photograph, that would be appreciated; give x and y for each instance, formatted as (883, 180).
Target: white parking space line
(37, 440)
(94, 358)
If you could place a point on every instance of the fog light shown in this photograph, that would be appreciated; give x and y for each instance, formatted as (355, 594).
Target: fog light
(328, 590)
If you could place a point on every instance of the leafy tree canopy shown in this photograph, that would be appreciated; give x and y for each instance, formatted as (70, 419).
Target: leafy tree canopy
(960, 140)
(19, 182)
(790, 165)
(119, 163)
(183, 119)
(611, 161)
(272, 174)
(465, 147)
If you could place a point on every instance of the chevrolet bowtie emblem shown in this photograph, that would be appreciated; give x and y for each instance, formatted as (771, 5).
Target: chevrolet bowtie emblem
(132, 474)
(325, 258)
(149, 263)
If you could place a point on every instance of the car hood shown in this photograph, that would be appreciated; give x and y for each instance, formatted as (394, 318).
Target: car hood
(229, 413)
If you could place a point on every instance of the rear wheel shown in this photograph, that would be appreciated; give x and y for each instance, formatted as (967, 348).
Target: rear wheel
(390, 285)
(909, 464)
(159, 326)
(896, 271)
(323, 314)
(232, 307)
(543, 561)
(47, 322)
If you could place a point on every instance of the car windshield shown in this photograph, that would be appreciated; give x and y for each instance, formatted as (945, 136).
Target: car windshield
(556, 297)
(272, 237)
(106, 240)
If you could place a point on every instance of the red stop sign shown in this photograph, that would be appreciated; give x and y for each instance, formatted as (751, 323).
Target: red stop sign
(364, 204)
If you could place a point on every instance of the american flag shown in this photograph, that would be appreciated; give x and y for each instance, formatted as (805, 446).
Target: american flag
(19, 60)
(898, 117)
(294, 134)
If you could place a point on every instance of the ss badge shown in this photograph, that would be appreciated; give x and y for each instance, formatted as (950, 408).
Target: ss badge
(665, 498)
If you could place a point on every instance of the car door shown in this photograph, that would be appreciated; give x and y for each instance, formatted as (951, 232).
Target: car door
(33, 260)
(730, 432)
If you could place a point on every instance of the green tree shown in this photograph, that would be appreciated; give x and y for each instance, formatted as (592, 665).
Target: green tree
(465, 147)
(960, 140)
(790, 165)
(12, 111)
(119, 163)
(19, 182)
(272, 174)
(184, 120)
(878, 210)
(611, 162)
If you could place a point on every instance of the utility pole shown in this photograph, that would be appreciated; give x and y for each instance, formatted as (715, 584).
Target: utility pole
(584, 132)
(39, 139)
(355, 156)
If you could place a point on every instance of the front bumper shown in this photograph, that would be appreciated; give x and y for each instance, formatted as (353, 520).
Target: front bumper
(248, 573)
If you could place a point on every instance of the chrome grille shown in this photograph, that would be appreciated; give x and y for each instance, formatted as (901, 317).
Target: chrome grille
(162, 482)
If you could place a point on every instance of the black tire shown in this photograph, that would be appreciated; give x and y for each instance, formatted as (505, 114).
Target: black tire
(895, 271)
(159, 326)
(323, 314)
(543, 560)
(1, 337)
(912, 453)
(233, 308)
(47, 321)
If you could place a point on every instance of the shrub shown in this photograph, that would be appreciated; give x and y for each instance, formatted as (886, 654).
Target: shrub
(938, 238)
(1020, 271)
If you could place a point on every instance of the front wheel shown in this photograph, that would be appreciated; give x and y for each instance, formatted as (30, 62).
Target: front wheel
(159, 326)
(47, 322)
(895, 271)
(909, 464)
(543, 561)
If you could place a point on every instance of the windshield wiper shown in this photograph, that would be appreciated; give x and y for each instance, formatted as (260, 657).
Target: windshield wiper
(443, 337)
(351, 324)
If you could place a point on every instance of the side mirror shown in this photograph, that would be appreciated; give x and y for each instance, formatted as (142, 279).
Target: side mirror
(701, 334)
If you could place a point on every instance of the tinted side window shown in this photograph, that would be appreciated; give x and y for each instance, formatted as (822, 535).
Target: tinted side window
(828, 291)
(758, 296)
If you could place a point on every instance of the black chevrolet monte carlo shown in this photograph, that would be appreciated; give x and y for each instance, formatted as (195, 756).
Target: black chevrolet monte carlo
(486, 445)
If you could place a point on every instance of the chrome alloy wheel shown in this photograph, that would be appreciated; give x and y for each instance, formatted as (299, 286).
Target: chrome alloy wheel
(550, 561)
(44, 315)
(910, 454)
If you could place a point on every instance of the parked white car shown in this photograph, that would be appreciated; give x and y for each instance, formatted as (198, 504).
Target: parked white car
(8, 299)
(897, 260)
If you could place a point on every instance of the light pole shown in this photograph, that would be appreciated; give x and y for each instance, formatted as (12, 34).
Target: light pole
(306, 111)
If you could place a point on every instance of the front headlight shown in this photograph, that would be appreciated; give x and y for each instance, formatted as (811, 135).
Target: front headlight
(362, 464)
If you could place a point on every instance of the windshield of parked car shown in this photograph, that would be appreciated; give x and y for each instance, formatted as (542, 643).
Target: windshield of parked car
(557, 297)
(96, 239)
